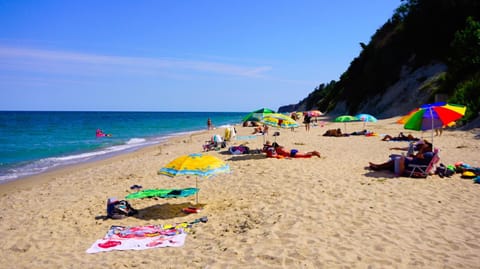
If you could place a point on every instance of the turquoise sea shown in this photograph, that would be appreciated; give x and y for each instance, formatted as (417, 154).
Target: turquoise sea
(34, 142)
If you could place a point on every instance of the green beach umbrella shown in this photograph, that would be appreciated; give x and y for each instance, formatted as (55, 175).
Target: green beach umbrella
(258, 114)
(345, 119)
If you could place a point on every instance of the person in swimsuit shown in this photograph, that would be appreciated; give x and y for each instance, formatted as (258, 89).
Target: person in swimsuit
(275, 149)
(307, 119)
(209, 124)
(400, 137)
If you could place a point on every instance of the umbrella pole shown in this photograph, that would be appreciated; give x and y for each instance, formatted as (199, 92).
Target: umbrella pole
(196, 194)
(431, 115)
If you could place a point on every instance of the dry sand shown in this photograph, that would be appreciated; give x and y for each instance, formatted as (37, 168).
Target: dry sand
(327, 212)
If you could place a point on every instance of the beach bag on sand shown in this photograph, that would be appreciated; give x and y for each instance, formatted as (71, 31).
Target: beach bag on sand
(119, 209)
(444, 171)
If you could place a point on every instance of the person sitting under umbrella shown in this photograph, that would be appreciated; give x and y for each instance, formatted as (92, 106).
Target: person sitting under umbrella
(276, 151)
(421, 146)
(418, 159)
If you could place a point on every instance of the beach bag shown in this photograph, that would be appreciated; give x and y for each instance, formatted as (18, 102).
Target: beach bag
(119, 209)
(444, 171)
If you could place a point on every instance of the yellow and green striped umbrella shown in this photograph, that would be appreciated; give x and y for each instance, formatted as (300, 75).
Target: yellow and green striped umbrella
(197, 164)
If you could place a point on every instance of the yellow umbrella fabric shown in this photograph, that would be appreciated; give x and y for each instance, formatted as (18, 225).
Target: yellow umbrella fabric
(279, 120)
(197, 164)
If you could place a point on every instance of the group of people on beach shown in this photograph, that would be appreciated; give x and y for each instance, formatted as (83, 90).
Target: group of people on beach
(423, 148)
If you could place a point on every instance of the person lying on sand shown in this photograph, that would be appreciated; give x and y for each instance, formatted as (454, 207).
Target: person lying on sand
(275, 150)
(334, 132)
(364, 132)
(400, 137)
(258, 130)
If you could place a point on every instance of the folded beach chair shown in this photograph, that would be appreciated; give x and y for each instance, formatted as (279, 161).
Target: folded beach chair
(423, 171)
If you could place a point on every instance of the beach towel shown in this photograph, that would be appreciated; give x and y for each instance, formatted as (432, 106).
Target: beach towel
(141, 237)
(246, 137)
(162, 193)
(235, 150)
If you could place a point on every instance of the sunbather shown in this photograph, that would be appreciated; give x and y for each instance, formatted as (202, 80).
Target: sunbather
(275, 150)
(334, 132)
(257, 130)
(364, 132)
(400, 137)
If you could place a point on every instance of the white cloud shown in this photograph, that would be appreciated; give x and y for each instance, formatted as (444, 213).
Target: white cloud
(48, 61)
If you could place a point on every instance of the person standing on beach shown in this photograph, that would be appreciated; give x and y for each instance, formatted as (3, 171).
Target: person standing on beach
(306, 120)
(209, 124)
(439, 131)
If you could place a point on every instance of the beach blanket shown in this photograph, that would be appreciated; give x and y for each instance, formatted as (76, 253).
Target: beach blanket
(162, 193)
(246, 137)
(141, 237)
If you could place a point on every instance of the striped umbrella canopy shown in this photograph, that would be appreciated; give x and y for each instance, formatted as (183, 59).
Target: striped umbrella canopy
(279, 120)
(197, 164)
(434, 116)
(258, 114)
(404, 119)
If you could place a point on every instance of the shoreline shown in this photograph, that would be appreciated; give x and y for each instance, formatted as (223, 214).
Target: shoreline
(267, 213)
(31, 181)
(108, 155)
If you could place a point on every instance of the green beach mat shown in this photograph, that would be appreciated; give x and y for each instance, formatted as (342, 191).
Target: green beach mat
(162, 193)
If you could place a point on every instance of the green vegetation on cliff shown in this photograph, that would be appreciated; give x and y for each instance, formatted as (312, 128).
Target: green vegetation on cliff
(419, 33)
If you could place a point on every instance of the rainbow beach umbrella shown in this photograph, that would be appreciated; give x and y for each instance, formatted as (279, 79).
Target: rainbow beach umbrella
(434, 116)
(197, 164)
(404, 119)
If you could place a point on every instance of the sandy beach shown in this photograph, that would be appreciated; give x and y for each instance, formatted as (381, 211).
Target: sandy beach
(328, 212)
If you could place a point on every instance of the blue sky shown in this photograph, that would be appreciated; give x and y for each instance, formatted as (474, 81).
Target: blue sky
(177, 55)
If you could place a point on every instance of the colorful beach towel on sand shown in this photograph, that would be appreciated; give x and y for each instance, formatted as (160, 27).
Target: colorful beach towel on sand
(141, 237)
(162, 193)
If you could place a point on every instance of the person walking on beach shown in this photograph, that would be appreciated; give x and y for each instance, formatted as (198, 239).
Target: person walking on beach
(209, 124)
